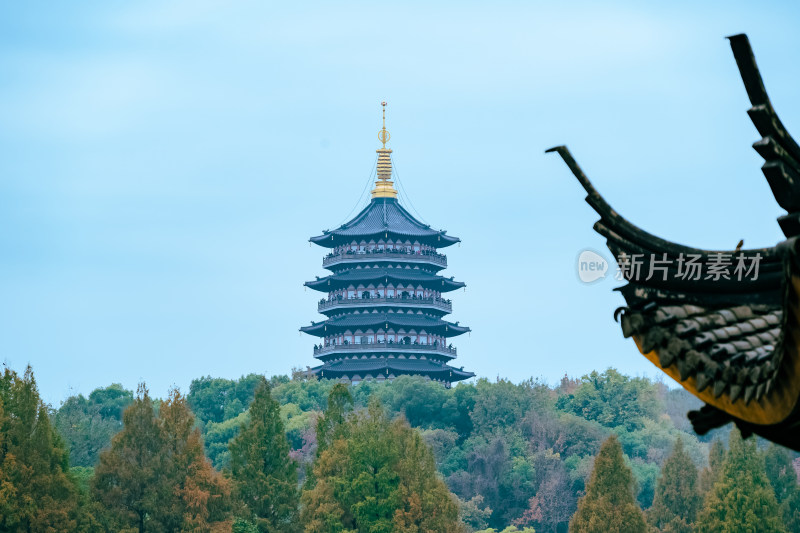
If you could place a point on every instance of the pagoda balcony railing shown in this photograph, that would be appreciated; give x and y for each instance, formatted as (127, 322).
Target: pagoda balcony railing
(385, 347)
(398, 255)
(437, 303)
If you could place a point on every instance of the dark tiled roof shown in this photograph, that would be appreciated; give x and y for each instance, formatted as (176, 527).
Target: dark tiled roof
(735, 342)
(366, 275)
(385, 217)
(375, 321)
(386, 366)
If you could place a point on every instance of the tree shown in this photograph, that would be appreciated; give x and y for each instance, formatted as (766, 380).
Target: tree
(742, 499)
(36, 493)
(265, 478)
(127, 481)
(613, 399)
(783, 478)
(780, 472)
(791, 511)
(199, 496)
(340, 403)
(677, 499)
(218, 399)
(473, 513)
(89, 424)
(711, 473)
(609, 504)
(155, 476)
(550, 509)
(377, 476)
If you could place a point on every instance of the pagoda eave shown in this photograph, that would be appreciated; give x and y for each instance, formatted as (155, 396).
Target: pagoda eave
(333, 239)
(387, 369)
(364, 277)
(334, 326)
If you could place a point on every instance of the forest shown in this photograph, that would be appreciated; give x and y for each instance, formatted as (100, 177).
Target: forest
(604, 452)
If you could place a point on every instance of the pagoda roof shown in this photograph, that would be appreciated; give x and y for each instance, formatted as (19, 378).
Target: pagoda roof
(384, 218)
(734, 343)
(395, 366)
(364, 321)
(365, 275)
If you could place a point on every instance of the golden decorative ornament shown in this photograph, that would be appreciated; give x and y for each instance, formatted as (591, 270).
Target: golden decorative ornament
(383, 185)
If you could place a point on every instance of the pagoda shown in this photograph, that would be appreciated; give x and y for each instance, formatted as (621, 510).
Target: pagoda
(384, 301)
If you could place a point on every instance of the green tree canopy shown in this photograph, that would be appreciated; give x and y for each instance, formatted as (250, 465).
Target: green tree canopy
(677, 499)
(265, 478)
(609, 504)
(377, 476)
(36, 493)
(88, 424)
(742, 499)
(711, 473)
(155, 476)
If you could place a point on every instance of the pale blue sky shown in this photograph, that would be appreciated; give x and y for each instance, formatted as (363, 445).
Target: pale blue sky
(162, 165)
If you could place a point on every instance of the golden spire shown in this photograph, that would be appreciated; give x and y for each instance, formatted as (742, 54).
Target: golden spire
(383, 185)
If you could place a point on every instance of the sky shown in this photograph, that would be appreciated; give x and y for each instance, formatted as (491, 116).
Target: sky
(163, 164)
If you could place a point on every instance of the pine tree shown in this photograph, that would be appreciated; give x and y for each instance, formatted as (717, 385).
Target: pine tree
(340, 403)
(36, 493)
(780, 472)
(200, 496)
(742, 499)
(265, 478)
(155, 476)
(677, 499)
(127, 481)
(426, 503)
(783, 478)
(791, 511)
(710, 474)
(609, 505)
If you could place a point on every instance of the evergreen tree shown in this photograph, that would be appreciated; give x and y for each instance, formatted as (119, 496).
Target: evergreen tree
(155, 477)
(36, 492)
(265, 478)
(677, 499)
(200, 496)
(127, 481)
(609, 504)
(791, 511)
(742, 499)
(340, 403)
(783, 478)
(710, 474)
(780, 472)
(378, 476)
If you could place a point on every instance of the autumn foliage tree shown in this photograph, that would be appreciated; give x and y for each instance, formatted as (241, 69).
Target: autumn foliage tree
(609, 504)
(155, 476)
(265, 478)
(677, 499)
(742, 498)
(36, 493)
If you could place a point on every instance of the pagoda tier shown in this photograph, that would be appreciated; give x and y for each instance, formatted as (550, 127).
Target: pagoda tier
(384, 307)
(429, 302)
(384, 218)
(409, 278)
(384, 322)
(388, 369)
